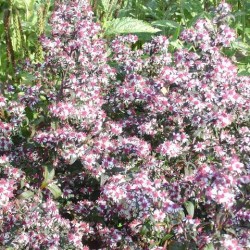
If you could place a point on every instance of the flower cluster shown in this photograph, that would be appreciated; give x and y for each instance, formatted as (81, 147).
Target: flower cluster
(153, 153)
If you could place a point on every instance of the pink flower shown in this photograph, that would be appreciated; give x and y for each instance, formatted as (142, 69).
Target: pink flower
(170, 149)
(199, 147)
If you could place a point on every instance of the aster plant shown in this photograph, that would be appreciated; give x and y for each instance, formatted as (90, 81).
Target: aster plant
(49, 135)
(184, 143)
(151, 153)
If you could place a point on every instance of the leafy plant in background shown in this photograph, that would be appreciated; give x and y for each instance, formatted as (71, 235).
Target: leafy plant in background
(113, 23)
(170, 18)
(55, 125)
(21, 24)
(240, 50)
(176, 114)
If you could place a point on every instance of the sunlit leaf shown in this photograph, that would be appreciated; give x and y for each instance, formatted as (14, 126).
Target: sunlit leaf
(128, 25)
(189, 207)
(48, 174)
(55, 190)
(166, 23)
(26, 195)
(105, 4)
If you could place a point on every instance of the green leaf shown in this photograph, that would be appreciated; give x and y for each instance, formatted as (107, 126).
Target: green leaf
(29, 113)
(144, 36)
(43, 98)
(175, 245)
(241, 46)
(210, 246)
(176, 33)
(193, 7)
(24, 4)
(49, 173)
(166, 23)
(27, 78)
(25, 132)
(180, 215)
(231, 231)
(189, 207)
(244, 71)
(55, 190)
(176, 44)
(144, 230)
(127, 25)
(22, 183)
(26, 195)
(105, 4)
(166, 237)
(119, 225)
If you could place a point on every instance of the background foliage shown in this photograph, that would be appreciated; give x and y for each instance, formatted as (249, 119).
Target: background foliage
(170, 17)
(26, 20)
(21, 24)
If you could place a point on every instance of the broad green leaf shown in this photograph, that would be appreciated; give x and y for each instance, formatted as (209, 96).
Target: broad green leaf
(43, 98)
(144, 230)
(189, 207)
(55, 190)
(26, 195)
(48, 174)
(210, 246)
(127, 25)
(166, 23)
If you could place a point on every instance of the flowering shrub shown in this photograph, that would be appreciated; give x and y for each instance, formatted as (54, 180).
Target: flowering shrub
(150, 154)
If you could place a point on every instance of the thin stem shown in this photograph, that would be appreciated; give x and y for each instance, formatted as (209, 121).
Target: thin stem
(60, 93)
